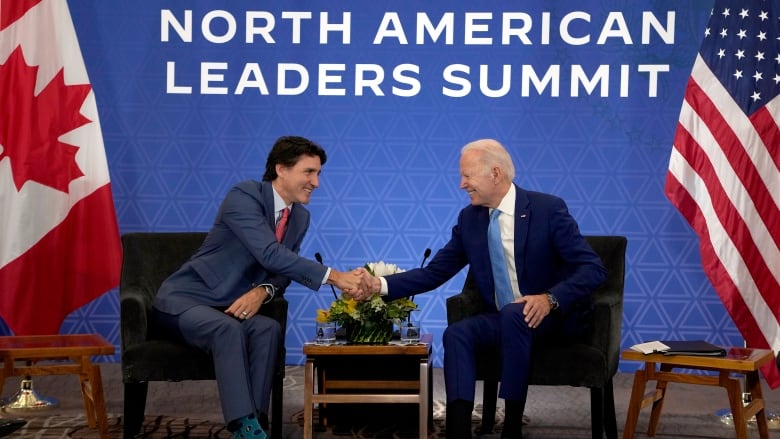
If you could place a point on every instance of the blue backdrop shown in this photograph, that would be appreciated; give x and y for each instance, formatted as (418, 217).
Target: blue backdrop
(585, 95)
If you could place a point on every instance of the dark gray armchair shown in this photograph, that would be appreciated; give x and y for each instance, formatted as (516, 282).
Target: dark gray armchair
(148, 355)
(596, 359)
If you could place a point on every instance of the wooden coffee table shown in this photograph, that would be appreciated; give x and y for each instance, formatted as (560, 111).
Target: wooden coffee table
(60, 355)
(741, 361)
(373, 390)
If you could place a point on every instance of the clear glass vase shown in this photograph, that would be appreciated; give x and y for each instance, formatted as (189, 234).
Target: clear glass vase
(371, 332)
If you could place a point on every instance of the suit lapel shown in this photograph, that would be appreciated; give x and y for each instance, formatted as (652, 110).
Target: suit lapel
(294, 225)
(268, 202)
(522, 223)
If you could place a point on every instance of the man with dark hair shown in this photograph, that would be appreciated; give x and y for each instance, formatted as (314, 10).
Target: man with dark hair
(250, 253)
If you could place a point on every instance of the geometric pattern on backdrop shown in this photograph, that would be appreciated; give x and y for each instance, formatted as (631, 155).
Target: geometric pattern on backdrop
(390, 187)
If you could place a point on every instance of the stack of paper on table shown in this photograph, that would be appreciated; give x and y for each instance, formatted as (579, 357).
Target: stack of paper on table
(680, 347)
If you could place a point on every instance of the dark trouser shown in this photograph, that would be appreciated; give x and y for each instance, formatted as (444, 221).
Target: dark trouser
(244, 353)
(465, 339)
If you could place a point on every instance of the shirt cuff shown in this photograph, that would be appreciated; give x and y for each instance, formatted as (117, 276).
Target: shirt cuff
(270, 289)
(327, 275)
(383, 287)
(273, 288)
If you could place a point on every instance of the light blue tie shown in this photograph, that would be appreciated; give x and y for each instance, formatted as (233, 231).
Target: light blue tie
(504, 293)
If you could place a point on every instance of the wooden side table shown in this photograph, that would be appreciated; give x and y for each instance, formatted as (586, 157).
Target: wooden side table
(738, 361)
(368, 390)
(61, 355)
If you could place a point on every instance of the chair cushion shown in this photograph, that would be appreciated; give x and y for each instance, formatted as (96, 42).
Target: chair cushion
(578, 365)
(151, 361)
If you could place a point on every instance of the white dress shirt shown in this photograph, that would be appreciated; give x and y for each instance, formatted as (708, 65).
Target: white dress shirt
(506, 223)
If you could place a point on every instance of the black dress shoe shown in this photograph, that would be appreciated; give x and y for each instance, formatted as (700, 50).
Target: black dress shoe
(8, 426)
(513, 420)
(457, 422)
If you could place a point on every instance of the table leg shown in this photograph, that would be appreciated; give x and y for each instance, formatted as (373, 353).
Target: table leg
(98, 400)
(658, 402)
(322, 387)
(86, 389)
(753, 385)
(92, 393)
(430, 395)
(308, 391)
(635, 402)
(734, 390)
(423, 398)
(7, 371)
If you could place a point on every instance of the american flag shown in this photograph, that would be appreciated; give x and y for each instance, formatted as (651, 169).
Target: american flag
(724, 171)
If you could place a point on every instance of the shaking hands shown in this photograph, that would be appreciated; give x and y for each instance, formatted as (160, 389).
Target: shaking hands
(368, 285)
(358, 283)
(347, 281)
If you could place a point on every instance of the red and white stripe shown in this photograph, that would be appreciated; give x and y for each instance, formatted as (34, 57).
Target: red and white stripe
(724, 177)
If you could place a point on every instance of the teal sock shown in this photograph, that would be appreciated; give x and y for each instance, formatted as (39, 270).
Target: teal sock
(249, 428)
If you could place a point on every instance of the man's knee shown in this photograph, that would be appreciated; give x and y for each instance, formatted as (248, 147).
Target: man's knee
(266, 326)
(454, 334)
(511, 317)
(227, 328)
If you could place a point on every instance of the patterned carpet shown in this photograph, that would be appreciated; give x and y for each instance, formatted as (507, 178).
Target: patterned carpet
(75, 426)
(61, 426)
(184, 410)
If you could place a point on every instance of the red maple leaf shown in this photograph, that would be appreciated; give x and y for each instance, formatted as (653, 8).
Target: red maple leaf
(30, 125)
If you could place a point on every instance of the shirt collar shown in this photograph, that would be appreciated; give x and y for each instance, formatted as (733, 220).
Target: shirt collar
(279, 203)
(507, 204)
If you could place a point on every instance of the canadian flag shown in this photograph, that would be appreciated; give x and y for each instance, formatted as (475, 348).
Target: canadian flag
(59, 240)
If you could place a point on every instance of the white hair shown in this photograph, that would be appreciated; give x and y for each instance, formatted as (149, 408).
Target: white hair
(493, 154)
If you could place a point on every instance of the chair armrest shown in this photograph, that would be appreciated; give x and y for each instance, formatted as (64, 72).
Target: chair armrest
(463, 305)
(135, 309)
(607, 318)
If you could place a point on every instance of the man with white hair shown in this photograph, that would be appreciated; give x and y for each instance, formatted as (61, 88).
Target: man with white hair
(531, 265)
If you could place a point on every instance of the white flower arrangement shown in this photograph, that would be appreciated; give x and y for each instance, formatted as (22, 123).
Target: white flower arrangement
(382, 268)
(346, 310)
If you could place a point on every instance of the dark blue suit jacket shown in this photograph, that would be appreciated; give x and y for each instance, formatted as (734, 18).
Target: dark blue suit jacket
(240, 251)
(550, 254)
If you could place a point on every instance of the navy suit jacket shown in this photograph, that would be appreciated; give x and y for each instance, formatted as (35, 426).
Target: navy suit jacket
(240, 251)
(551, 255)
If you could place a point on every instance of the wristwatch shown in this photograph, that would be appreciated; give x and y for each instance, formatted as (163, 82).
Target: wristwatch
(553, 301)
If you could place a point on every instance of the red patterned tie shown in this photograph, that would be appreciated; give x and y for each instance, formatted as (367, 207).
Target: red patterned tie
(282, 224)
